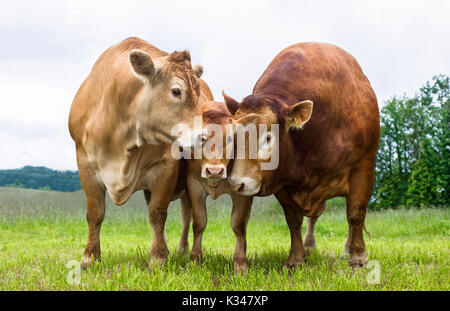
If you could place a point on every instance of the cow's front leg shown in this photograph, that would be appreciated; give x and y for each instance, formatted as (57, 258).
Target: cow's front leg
(294, 219)
(161, 195)
(239, 219)
(199, 216)
(95, 210)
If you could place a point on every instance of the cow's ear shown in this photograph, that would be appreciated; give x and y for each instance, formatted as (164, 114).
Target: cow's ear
(297, 115)
(232, 104)
(247, 119)
(142, 64)
(198, 70)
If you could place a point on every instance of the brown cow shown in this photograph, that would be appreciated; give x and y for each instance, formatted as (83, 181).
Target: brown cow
(208, 176)
(323, 152)
(121, 121)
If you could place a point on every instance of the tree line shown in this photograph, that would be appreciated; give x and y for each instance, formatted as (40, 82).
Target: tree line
(40, 178)
(412, 167)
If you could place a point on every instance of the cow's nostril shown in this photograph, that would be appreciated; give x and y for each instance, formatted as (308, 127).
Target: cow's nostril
(221, 172)
(241, 188)
(208, 172)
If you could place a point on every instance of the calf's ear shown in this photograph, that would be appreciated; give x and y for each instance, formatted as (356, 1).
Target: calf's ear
(198, 70)
(141, 64)
(297, 115)
(232, 104)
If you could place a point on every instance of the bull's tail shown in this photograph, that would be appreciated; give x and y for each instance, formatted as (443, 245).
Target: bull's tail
(367, 232)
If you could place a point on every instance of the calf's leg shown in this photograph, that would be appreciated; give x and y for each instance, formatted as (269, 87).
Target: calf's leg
(186, 215)
(199, 217)
(239, 219)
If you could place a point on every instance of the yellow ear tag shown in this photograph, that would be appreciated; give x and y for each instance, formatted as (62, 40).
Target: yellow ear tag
(298, 120)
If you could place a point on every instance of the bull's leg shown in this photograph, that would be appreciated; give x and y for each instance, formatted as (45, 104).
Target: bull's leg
(294, 219)
(310, 239)
(199, 217)
(360, 187)
(161, 194)
(239, 219)
(186, 215)
(95, 210)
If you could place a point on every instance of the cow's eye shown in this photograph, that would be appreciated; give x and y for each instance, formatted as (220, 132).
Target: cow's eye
(268, 139)
(176, 92)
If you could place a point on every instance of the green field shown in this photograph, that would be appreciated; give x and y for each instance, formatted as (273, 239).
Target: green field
(42, 231)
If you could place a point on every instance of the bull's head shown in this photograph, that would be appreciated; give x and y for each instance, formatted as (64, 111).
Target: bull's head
(257, 160)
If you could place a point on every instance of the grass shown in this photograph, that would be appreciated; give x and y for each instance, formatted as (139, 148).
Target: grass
(42, 231)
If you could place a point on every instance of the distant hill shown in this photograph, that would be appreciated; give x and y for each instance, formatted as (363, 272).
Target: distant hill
(40, 178)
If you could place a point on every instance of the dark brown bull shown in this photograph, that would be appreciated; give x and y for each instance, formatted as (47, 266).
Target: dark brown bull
(324, 152)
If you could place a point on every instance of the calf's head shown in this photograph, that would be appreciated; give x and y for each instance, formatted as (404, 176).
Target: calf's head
(266, 122)
(169, 99)
(218, 147)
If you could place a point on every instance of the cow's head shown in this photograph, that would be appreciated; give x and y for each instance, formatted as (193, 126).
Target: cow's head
(218, 147)
(169, 97)
(261, 157)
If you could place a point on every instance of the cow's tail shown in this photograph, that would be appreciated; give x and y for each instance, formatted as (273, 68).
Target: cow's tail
(367, 232)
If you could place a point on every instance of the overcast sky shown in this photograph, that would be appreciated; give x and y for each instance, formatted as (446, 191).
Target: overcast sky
(47, 49)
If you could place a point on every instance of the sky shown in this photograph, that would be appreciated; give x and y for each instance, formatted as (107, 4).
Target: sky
(48, 48)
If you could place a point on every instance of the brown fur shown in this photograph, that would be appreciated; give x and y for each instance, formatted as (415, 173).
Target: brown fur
(334, 153)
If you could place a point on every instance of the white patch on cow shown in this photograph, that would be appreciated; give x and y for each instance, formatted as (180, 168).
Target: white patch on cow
(266, 146)
(251, 185)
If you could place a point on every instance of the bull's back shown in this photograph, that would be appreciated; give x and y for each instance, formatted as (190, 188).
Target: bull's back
(344, 126)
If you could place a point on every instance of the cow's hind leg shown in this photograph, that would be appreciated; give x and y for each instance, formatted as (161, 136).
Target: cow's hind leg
(186, 216)
(239, 219)
(310, 239)
(95, 211)
(294, 219)
(360, 187)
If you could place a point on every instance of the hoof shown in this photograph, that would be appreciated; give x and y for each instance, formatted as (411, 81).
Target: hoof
(183, 249)
(357, 262)
(292, 263)
(88, 261)
(197, 258)
(240, 266)
(309, 249)
(156, 262)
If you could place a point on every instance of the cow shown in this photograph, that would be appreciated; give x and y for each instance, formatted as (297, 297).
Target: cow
(122, 121)
(207, 175)
(328, 119)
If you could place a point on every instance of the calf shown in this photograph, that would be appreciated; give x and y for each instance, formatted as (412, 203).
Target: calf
(208, 176)
(323, 152)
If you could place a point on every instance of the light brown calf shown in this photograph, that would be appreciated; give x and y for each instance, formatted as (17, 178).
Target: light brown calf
(208, 176)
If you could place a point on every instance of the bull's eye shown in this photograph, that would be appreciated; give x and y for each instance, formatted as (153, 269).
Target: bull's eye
(268, 138)
(176, 92)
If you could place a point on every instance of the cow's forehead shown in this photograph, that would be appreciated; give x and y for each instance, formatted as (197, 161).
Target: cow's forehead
(266, 113)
